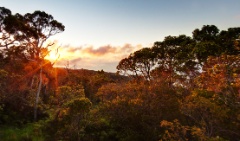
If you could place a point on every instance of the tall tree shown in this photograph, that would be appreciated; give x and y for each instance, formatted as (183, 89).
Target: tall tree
(45, 26)
(25, 36)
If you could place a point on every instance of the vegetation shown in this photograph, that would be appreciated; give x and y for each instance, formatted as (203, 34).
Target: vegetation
(182, 88)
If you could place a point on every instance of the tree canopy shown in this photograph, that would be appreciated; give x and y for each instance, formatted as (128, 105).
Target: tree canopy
(181, 88)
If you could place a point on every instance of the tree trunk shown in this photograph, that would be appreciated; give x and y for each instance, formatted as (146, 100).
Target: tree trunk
(37, 94)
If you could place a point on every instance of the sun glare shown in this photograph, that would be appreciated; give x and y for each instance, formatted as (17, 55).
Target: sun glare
(60, 54)
(52, 56)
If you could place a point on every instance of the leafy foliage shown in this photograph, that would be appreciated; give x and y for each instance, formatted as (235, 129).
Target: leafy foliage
(181, 88)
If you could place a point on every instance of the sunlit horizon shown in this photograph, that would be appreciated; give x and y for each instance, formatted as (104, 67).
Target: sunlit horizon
(89, 57)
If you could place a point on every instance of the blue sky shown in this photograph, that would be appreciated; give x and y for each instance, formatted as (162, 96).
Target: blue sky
(101, 24)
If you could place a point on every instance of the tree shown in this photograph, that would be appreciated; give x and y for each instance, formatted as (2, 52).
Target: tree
(229, 40)
(207, 33)
(134, 109)
(175, 59)
(24, 38)
(176, 131)
(221, 75)
(139, 63)
(211, 42)
(45, 26)
(128, 65)
(181, 57)
(70, 122)
(215, 101)
(4, 13)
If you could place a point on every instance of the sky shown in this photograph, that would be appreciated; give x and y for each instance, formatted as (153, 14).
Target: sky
(99, 33)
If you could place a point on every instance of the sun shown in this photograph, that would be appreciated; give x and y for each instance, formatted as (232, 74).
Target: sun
(52, 56)
(59, 55)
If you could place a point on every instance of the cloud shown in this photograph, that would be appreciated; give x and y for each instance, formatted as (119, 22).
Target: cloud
(127, 48)
(99, 51)
(76, 61)
(94, 58)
